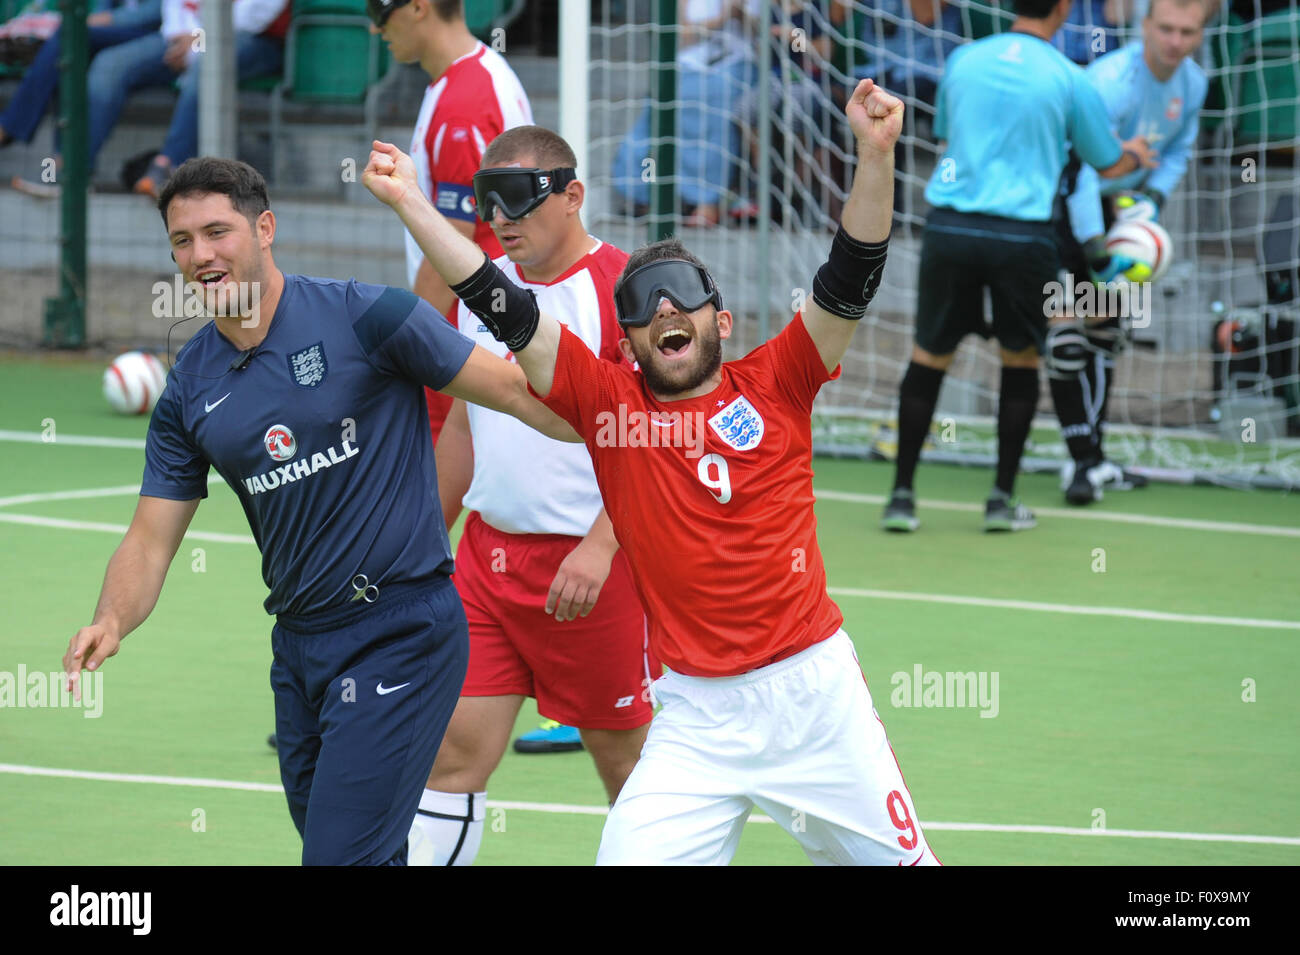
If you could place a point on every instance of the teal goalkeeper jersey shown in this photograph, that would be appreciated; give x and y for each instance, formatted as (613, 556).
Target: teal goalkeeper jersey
(1009, 106)
(1165, 114)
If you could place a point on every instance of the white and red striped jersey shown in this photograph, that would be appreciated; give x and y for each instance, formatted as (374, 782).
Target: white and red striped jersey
(525, 482)
(475, 100)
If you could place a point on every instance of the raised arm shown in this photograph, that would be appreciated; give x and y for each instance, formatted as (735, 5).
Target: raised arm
(132, 583)
(507, 310)
(851, 275)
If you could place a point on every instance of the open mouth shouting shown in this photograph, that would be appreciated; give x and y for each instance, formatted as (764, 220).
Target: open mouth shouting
(674, 343)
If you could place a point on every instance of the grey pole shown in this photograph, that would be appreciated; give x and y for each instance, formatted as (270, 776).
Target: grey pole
(218, 94)
(764, 177)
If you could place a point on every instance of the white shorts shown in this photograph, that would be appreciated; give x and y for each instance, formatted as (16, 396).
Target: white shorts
(799, 739)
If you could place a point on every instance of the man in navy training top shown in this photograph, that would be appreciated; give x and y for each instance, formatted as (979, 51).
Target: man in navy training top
(306, 395)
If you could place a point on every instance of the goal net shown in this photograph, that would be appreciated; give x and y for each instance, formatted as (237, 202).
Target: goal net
(1209, 388)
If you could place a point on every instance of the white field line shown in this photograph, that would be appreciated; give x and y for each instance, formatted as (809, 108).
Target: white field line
(1126, 612)
(83, 440)
(122, 490)
(118, 529)
(575, 810)
(1082, 514)
(1087, 514)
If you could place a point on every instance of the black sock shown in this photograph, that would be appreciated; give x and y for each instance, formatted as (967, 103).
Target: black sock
(1016, 407)
(1067, 396)
(1100, 372)
(917, 396)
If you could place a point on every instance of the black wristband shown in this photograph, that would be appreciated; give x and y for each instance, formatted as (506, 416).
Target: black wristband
(509, 312)
(847, 282)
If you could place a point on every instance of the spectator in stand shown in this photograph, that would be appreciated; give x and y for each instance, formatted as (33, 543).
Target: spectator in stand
(1093, 29)
(801, 51)
(260, 26)
(126, 20)
(906, 44)
(169, 55)
(715, 65)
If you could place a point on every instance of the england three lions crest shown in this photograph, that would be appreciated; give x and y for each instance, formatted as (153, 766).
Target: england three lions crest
(309, 365)
(738, 424)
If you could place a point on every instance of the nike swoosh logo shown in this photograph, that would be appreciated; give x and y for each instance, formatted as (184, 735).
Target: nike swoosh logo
(208, 407)
(385, 690)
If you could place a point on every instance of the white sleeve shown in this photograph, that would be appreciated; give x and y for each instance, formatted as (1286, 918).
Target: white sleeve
(254, 16)
(175, 19)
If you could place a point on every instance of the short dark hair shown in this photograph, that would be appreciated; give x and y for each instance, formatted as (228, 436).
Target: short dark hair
(548, 148)
(448, 10)
(1035, 9)
(661, 251)
(207, 175)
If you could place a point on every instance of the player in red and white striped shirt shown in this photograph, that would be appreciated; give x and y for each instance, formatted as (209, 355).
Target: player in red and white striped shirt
(764, 703)
(473, 97)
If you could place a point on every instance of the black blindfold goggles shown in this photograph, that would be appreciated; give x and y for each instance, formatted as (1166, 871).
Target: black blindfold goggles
(381, 10)
(517, 192)
(687, 286)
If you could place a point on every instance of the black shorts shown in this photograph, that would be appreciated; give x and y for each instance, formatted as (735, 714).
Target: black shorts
(1073, 259)
(961, 254)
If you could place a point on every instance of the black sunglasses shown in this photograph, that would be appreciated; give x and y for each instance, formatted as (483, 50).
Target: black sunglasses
(381, 10)
(687, 286)
(517, 192)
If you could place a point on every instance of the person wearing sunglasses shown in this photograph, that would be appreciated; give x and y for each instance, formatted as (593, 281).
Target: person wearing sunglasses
(552, 605)
(473, 95)
(764, 703)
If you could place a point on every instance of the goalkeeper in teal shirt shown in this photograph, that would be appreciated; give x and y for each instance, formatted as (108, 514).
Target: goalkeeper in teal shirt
(1154, 90)
(1008, 109)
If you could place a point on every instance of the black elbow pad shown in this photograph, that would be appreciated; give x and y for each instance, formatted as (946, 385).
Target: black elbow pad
(847, 282)
(510, 312)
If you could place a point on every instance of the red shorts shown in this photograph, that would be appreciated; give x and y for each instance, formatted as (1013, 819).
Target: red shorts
(439, 406)
(592, 673)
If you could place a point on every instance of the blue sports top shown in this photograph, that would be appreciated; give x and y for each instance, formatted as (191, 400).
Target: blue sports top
(323, 435)
(1138, 104)
(1008, 106)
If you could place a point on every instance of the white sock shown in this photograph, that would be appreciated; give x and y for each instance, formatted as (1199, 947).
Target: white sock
(448, 828)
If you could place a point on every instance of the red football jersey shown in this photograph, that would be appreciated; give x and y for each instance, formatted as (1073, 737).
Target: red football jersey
(712, 500)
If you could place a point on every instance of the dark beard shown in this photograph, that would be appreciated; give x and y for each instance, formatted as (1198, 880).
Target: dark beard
(708, 359)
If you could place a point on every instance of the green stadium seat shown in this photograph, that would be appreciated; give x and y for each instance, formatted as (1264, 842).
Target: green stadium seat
(261, 84)
(1225, 49)
(1255, 81)
(10, 9)
(481, 16)
(983, 19)
(331, 57)
(1268, 104)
